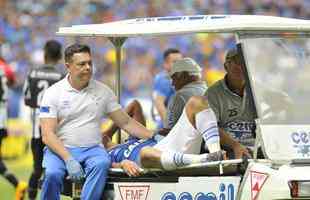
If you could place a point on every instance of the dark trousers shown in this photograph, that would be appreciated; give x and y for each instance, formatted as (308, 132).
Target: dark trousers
(3, 170)
(37, 152)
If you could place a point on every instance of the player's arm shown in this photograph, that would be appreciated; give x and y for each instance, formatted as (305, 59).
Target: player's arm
(239, 149)
(159, 97)
(131, 126)
(129, 167)
(159, 103)
(225, 138)
(48, 127)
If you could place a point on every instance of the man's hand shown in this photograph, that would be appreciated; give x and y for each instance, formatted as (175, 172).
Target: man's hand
(240, 150)
(130, 167)
(75, 170)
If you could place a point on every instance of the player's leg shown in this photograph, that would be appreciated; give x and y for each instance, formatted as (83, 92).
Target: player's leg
(151, 157)
(134, 110)
(3, 170)
(20, 186)
(55, 170)
(202, 117)
(37, 152)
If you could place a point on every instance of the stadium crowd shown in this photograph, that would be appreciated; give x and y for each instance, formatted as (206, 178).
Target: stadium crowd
(26, 25)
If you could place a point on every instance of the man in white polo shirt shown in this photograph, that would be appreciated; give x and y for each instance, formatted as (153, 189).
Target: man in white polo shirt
(70, 116)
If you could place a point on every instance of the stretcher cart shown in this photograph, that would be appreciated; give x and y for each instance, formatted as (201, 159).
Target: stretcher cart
(157, 184)
(276, 64)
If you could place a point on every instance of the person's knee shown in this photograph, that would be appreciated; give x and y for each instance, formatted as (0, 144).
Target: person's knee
(137, 108)
(144, 153)
(134, 106)
(197, 103)
(135, 103)
(148, 156)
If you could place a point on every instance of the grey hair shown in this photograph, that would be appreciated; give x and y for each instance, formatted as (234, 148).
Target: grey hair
(198, 74)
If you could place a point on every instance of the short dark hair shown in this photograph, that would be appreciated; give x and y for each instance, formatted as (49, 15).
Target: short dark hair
(52, 50)
(231, 53)
(75, 48)
(170, 51)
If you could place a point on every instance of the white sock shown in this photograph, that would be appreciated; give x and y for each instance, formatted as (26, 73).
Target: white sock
(173, 160)
(166, 160)
(206, 124)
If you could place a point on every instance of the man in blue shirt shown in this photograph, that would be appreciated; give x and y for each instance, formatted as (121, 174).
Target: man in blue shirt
(162, 87)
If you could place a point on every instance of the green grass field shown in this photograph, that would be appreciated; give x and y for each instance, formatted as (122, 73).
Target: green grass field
(21, 167)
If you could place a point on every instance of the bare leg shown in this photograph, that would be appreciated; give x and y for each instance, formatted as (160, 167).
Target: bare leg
(134, 110)
(195, 105)
(204, 120)
(154, 158)
(150, 157)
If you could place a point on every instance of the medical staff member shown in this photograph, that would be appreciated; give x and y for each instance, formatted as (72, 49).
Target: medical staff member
(70, 114)
(232, 107)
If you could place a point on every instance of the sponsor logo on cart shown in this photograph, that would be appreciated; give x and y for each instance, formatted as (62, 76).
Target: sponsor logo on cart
(301, 142)
(181, 18)
(257, 181)
(134, 192)
(226, 192)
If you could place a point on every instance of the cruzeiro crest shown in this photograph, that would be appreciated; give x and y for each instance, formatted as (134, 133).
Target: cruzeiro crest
(301, 142)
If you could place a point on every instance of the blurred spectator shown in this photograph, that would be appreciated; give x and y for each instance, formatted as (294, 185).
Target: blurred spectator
(26, 25)
(7, 78)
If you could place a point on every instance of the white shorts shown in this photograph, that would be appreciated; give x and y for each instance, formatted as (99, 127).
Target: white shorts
(183, 138)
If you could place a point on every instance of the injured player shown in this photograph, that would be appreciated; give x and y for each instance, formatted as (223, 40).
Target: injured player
(179, 148)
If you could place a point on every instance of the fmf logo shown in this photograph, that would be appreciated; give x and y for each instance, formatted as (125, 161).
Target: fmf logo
(301, 142)
(137, 192)
(225, 193)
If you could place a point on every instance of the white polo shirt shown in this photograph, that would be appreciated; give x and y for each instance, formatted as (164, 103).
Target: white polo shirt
(79, 113)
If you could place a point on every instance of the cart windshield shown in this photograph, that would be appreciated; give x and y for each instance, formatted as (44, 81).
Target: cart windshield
(278, 67)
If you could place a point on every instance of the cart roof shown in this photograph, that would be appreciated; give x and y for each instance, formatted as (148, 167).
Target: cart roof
(156, 26)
